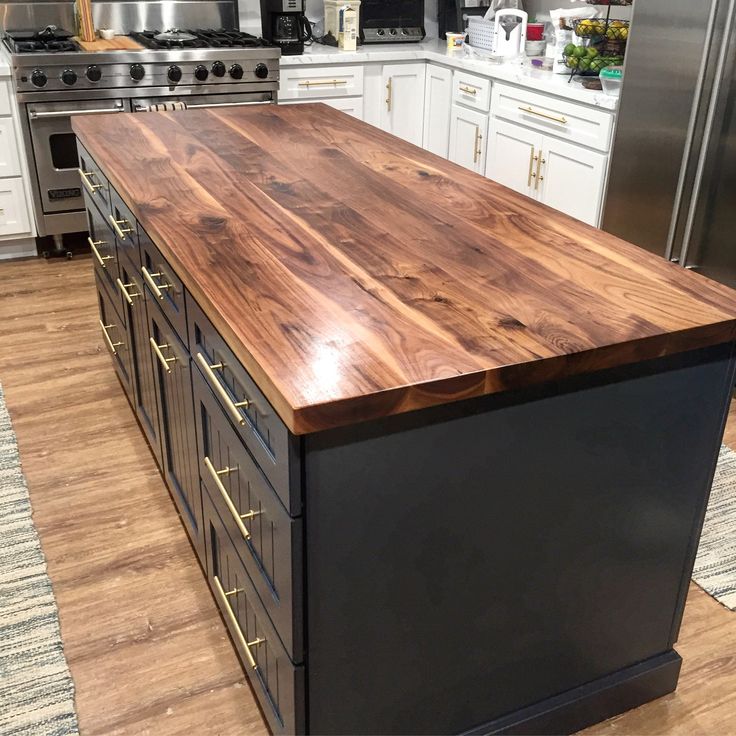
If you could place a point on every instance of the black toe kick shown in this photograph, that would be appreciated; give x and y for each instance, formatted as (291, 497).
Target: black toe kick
(592, 703)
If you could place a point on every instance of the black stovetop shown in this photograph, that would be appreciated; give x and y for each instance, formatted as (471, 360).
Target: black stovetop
(49, 40)
(203, 39)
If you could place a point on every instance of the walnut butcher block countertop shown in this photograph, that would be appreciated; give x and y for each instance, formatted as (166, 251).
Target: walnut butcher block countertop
(357, 276)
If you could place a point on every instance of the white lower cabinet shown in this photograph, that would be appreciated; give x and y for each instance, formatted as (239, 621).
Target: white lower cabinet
(13, 209)
(437, 110)
(351, 105)
(565, 176)
(468, 131)
(402, 111)
(9, 159)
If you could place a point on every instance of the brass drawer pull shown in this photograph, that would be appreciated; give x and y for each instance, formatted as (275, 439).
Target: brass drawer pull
(155, 288)
(121, 232)
(389, 93)
(88, 185)
(333, 82)
(161, 357)
(532, 159)
(468, 90)
(101, 259)
(562, 120)
(232, 406)
(477, 150)
(124, 291)
(112, 345)
(540, 162)
(222, 596)
(228, 501)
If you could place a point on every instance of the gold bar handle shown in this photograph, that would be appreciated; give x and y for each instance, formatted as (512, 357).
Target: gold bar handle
(389, 93)
(155, 288)
(333, 82)
(124, 291)
(161, 357)
(121, 232)
(244, 531)
(540, 162)
(101, 259)
(88, 185)
(468, 90)
(562, 120)
(477, 146)
(532, 159)
(112, 345)
(222, 597)
(232, 406)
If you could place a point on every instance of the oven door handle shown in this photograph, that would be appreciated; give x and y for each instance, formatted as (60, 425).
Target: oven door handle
(229, 104)
(66, 113)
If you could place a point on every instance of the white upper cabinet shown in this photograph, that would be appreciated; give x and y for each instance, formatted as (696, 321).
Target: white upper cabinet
(437, 108)
(468, 130)
(402, 111)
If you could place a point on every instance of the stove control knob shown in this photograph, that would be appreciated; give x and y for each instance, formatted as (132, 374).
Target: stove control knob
(201, 73)
(69, 76)
(236, 71)
(137, 72)
(393, 31)
(261, 71)
(38, 78)
(381, 32)
(218, 69)
(174, 73)
(94, 73)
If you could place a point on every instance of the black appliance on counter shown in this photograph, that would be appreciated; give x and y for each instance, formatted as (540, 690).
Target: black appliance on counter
(391, 21)
(285, 25)
(453, 14)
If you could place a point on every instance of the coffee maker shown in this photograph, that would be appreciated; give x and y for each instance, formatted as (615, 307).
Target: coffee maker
(285, 25)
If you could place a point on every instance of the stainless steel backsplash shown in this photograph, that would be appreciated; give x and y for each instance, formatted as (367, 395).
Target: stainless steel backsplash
(122, 15)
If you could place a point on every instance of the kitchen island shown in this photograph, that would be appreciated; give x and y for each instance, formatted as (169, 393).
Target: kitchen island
(443, 453)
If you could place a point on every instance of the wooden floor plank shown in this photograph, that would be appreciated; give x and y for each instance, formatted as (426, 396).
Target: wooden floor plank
(149, 654)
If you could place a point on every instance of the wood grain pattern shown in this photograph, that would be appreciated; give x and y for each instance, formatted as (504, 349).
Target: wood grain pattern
(357, 276)
(117, 556)
(119, 43)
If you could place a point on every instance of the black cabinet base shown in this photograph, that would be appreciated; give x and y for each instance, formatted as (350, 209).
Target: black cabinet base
(592, 703)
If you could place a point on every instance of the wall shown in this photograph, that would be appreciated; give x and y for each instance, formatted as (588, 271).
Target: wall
(537, 8)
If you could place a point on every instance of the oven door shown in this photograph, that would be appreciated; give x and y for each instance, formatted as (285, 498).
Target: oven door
(55, 149)
(194, 102)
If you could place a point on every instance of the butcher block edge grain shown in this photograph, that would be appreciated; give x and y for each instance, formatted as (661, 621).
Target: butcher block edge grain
(356, 276)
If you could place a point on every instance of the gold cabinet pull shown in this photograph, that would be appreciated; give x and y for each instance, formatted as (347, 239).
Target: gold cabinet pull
(389, 93)
(100, 258)
(232, 406)
(540, 162)
(244, 531)
(468, 90)
(124, 291)
(155, 288)
(112, 345)
(562, 120)
(532, 159)
(477, 145)
(323, 83)
(120, 231)
(223, 597)
(161, 357)
(88, 185)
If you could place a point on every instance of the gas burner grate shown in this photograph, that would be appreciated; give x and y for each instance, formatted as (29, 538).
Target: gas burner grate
(204, 39)
(40, 42)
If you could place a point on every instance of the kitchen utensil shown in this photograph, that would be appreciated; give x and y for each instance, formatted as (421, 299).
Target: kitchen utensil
(509, 32)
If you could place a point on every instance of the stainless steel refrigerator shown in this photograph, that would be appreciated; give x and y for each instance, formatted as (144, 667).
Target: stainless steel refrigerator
(672, 184)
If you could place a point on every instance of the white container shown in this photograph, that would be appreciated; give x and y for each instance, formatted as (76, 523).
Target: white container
(612, 79)
(332, 15)
(454, 40)
(347, 38)
(481, 32)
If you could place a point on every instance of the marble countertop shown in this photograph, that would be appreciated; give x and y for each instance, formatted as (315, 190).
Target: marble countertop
(436, 51)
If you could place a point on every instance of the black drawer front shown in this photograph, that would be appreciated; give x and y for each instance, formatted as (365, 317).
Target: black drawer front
(124, 226)
(104, 251)
(94, 182)
(275, 450)
(173, 380)
(278, 684)
(268, 540)
(115, 337)
(164, 285)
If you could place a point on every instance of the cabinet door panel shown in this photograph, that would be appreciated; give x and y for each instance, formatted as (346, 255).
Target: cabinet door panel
(115, 338)
(437, 107)
(13, 210)
(513, 156)
(574, 178)
(9, 159)
(468, 129)
(173, 378)
(403, 108)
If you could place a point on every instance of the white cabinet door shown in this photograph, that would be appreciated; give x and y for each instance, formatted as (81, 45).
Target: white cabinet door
(9, 160)
(13, 212)
(513, 156)
(573, 179)
(403, 109)
(437, 107)
(468, 130)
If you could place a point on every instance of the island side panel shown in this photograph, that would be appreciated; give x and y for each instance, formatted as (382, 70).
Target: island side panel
(466, 562)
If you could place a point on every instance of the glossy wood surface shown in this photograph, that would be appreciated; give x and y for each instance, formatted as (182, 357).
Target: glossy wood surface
(357, 276)
(118, 557)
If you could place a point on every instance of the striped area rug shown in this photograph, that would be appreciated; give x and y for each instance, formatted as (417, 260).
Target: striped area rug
(36, 689)
(715, 565)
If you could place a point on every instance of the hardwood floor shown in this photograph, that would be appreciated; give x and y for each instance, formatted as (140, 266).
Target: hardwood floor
(148, 652)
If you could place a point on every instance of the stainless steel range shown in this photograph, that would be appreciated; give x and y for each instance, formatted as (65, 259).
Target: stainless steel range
(55, 79)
